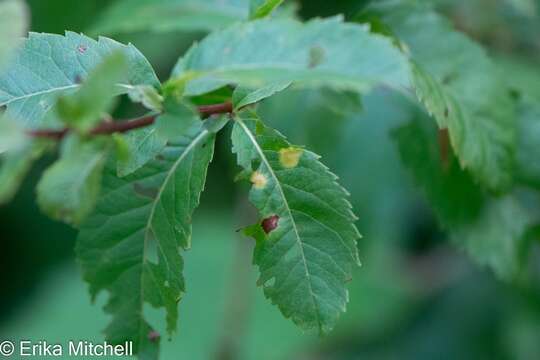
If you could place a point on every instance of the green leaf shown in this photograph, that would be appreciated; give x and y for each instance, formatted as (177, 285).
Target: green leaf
(49, 65)
(263, 8)
(17, 154)
(130, 245)
(148, 96)
(462, 88)
(170, 15)
(85, 108)
(218, 96)
(306, 246)
(524, 80)
(320, 52)
(13, 23)
(69, 189)
(522, 76)
(451, 191)
(15, 164)
(244, 96)
(527, 157)
(12, 136)
(495, 239)
(176, 119)
(142, 145)
(145, 144)
(483, 138)
(527, 8)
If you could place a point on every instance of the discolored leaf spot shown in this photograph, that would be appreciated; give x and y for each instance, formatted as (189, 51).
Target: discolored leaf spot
(44, 104)
(82, 48)
(316, 56)
(270, 224)
(258, 180)
(306, 239)
(150, 193)
(153, 336)
(290, 157)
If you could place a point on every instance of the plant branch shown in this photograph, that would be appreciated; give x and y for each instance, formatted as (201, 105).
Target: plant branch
(107, 128)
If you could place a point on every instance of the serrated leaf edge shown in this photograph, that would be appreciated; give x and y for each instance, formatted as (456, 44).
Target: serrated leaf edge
(149, 225)
(278, 185)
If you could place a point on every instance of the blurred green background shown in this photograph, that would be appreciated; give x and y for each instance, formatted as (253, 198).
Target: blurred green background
(415, 297)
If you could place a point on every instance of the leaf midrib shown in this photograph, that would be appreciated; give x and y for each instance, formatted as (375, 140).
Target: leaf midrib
(53, 90)
(298, 240)
(148, 226)
(38, 93)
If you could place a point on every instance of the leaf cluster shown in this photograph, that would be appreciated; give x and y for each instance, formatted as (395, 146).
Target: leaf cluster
(132, 187)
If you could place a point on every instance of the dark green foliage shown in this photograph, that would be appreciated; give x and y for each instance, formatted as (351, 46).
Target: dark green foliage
(471, 142)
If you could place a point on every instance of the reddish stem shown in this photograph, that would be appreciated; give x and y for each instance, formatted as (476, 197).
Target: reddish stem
(209, 110)
(444, 147)
(108, 128)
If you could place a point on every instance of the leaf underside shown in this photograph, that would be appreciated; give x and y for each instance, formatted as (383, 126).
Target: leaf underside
(318, 53)
(462, 88)
(49, 65)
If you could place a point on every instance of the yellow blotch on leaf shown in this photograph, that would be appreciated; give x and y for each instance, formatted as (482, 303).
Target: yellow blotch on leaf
(290, 157)
(258, 180)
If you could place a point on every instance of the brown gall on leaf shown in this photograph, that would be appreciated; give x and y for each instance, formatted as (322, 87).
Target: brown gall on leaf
(270, 224)
(316, 56)
(290, 157)
(153, 336)
(444, 148)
